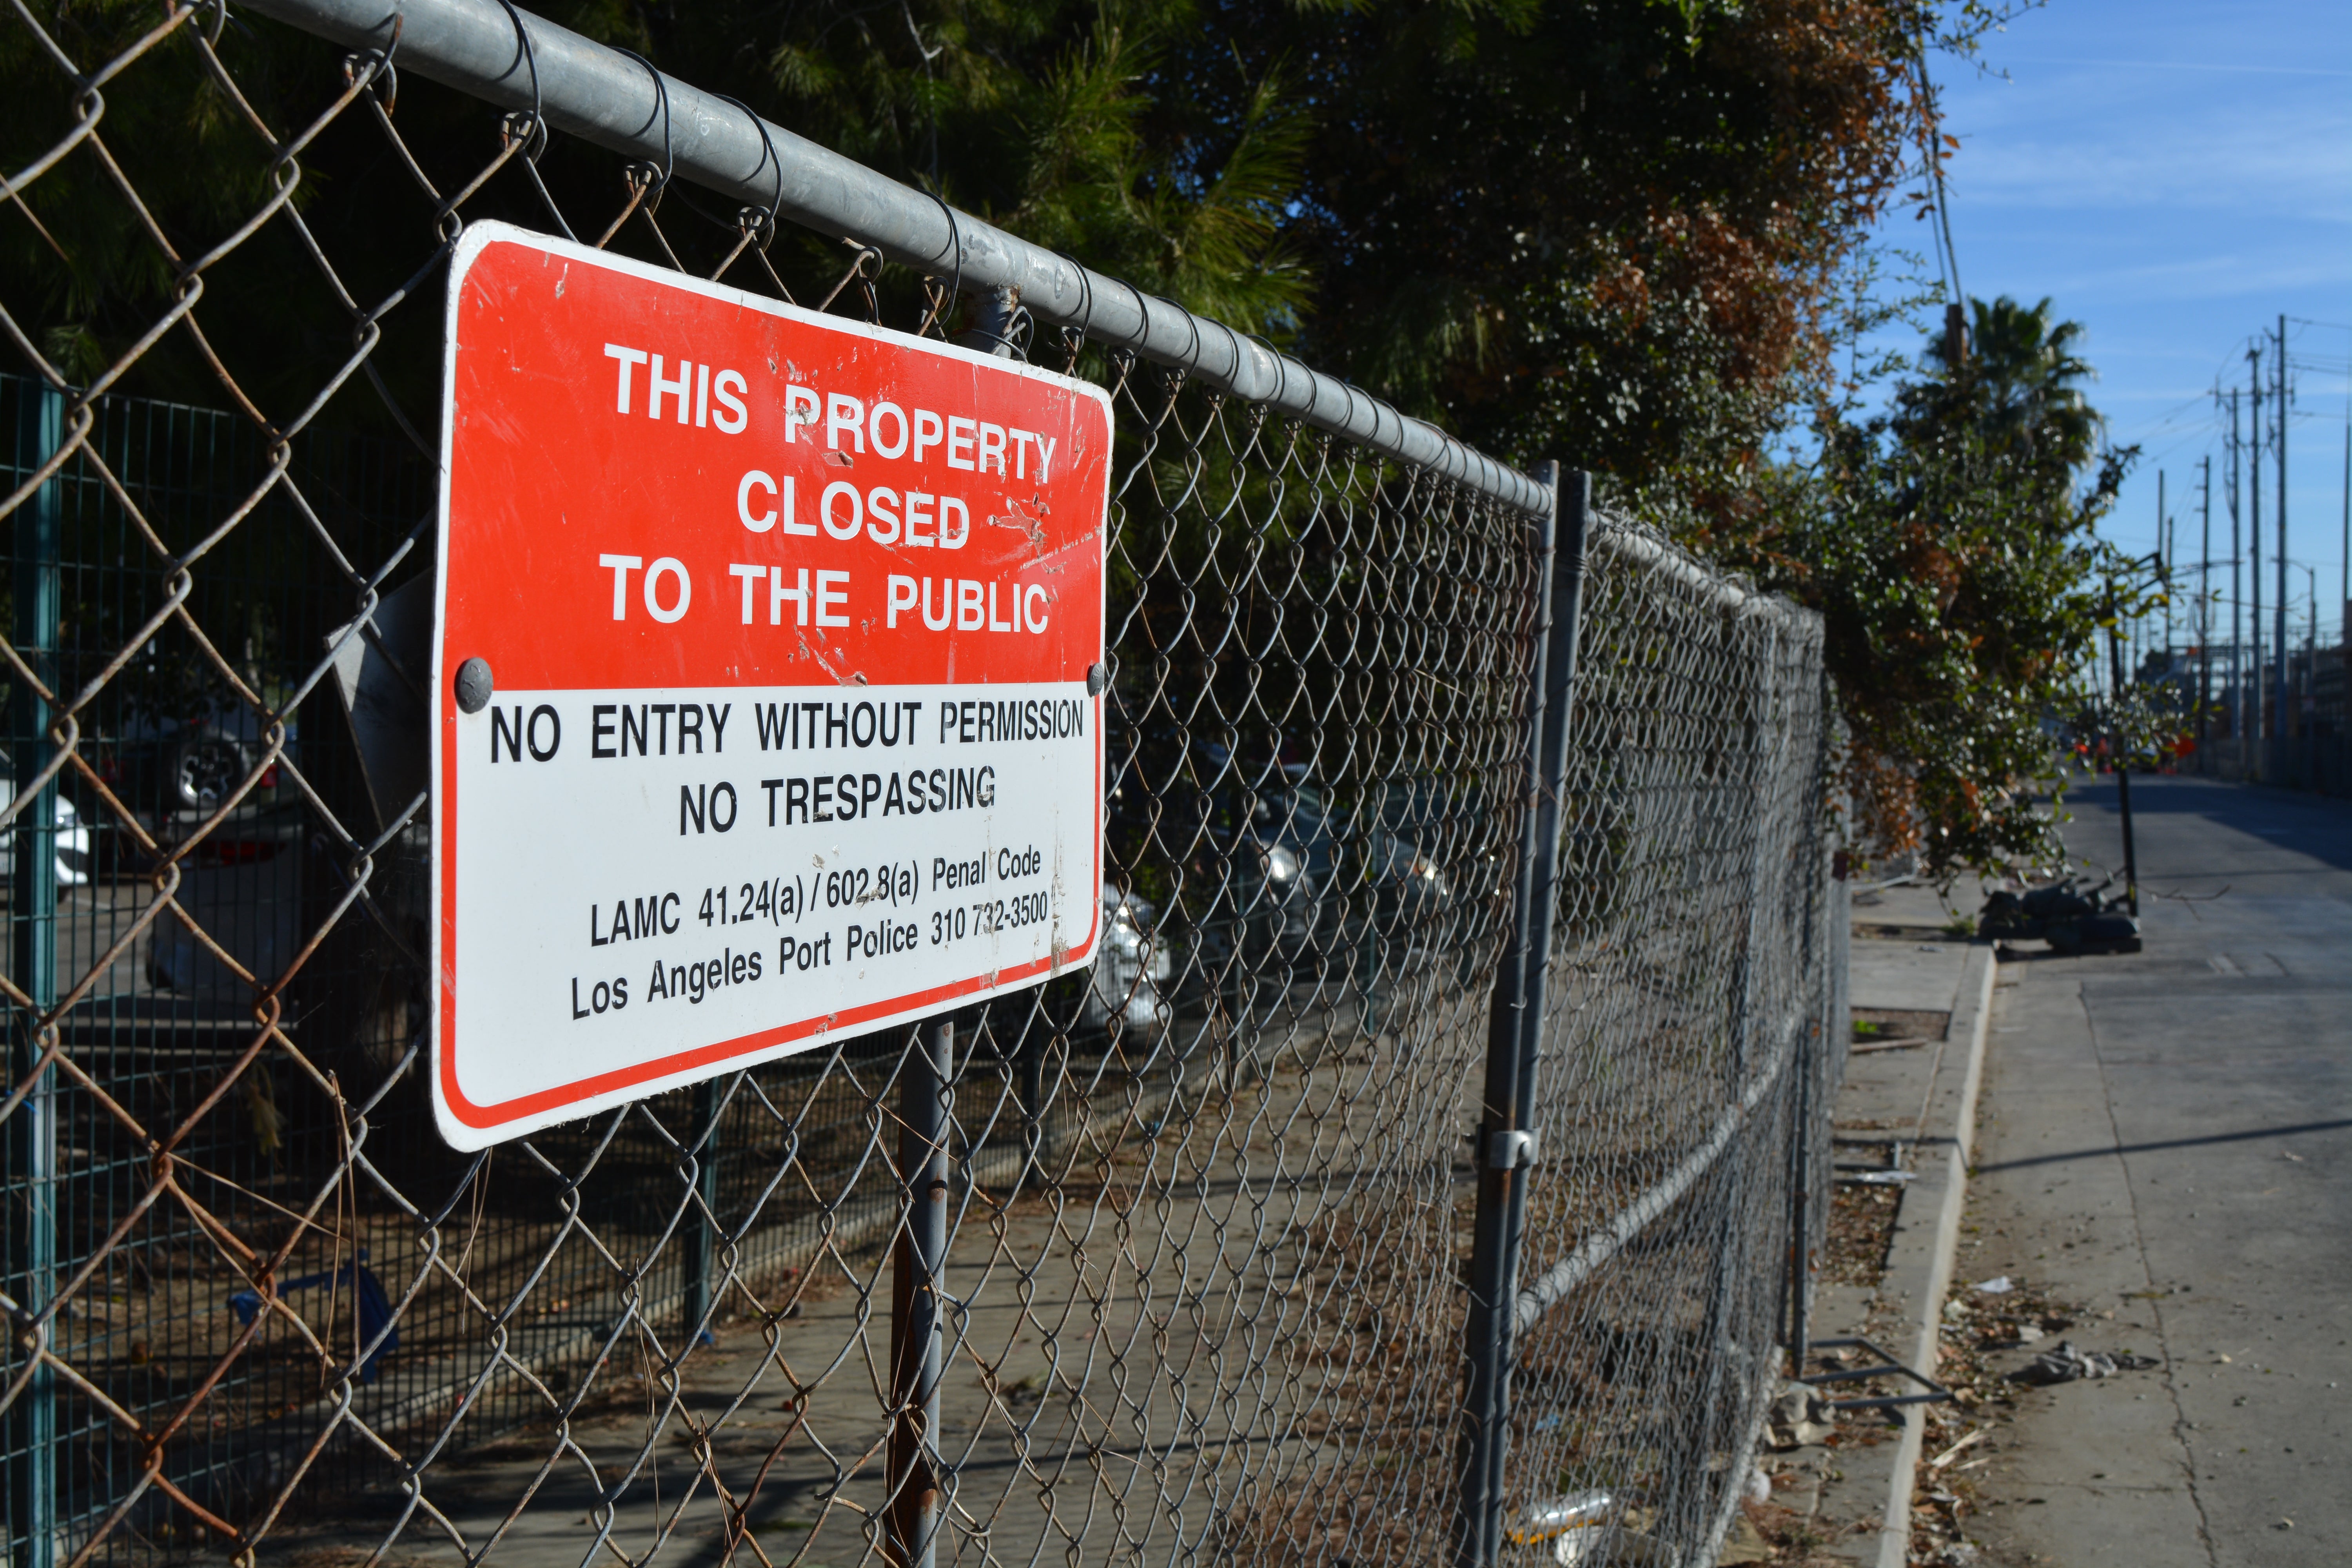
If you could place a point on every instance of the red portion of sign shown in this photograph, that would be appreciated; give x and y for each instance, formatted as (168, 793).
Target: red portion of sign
(653, 482)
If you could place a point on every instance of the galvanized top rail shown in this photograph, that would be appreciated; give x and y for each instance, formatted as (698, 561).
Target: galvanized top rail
(615, 100)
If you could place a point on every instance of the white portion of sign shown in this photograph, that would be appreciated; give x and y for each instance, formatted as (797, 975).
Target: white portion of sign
(646, 874)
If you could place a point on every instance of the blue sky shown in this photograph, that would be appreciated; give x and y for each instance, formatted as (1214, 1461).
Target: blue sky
(2174, 175)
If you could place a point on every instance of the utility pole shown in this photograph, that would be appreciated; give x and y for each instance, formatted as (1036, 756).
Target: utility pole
(2164, 568)
(2309, 690)
(2120, 751)
(2258, 729)
(2285, 724)
(2205, 602)
(2237, 589)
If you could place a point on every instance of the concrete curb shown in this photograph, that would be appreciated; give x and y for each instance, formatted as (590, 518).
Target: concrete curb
(1919, 1264)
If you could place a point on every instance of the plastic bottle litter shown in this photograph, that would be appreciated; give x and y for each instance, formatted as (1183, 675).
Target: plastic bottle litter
(1575, 1511)
(1581, 1527)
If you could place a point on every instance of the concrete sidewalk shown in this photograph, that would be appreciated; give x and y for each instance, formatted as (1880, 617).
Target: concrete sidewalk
(2166, 1148)
(1909, 1108)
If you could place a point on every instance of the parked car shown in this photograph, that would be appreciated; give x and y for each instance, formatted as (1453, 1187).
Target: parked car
(1131, 964)
(1379, 866)
(1280, 868)
(1251, 875)
(1176, 800)
(72, 836)
(176, 771)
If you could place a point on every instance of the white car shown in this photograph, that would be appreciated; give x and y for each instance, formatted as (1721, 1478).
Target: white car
(1129, 968)
(73, 842)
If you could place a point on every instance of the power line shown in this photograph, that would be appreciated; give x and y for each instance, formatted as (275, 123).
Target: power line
(1947, 258)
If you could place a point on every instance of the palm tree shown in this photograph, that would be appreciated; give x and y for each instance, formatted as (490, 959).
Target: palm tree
(2021, 383)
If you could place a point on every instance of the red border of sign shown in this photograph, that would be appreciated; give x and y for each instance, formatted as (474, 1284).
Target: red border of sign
(528, 1113)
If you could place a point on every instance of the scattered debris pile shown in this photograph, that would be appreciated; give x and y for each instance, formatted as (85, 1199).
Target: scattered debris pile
(1800, 1417)
(1985, 1327)
(2065, 1364)
(2067, 915)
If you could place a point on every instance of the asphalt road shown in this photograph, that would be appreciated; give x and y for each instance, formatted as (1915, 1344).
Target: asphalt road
(2166, 1137)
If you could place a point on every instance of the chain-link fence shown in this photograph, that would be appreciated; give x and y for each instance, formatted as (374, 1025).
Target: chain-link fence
(1345, 1211)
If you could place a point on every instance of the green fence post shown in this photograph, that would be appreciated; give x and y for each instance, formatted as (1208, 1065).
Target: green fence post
(31, 1132)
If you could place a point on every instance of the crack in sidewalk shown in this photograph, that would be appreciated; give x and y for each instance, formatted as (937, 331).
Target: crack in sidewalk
(2156, 1304)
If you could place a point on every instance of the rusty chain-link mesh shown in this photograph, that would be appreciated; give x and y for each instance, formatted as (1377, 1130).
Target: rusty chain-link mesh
(1688, 992)
(1205, 1208)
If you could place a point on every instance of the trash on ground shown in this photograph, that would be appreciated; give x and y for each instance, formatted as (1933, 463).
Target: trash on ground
(1999, 1285)
(2065, 1363)
(1878, 1178)
(1948, 1454)
(2069, 916)
(1801, 1416)
(2012, 1336)
(1573, 1511)
(1743, 1542)
(1760, 1484)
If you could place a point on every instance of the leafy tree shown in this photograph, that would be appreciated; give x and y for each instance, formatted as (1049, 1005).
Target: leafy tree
(1596, 229)
(1590, 229)
(1610, 231)
(1054, 120)
(1950, 545)
(1063, 120)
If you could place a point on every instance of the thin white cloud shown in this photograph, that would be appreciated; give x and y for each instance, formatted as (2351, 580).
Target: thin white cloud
(2176, 66)
(2214, 279)
(2297, 164)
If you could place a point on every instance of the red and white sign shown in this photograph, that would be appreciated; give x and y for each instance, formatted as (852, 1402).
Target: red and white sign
(788, 622)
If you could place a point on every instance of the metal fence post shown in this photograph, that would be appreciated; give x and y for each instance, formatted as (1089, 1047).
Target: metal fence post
(1813, 1054)
(1506, 1146)
(31, 1132)
(921, 1255)
(1812, 1127)
(702, 1212)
